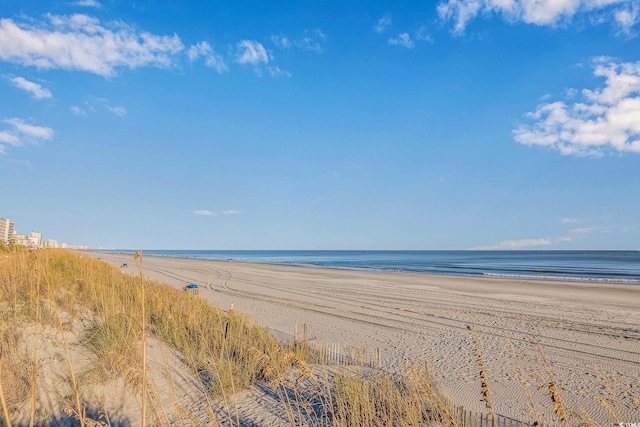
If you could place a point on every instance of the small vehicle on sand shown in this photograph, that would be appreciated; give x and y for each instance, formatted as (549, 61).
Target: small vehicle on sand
(192, 288)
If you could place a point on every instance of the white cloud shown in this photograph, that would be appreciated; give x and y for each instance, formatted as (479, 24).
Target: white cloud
(403, 39)
(383, 24)
(81, 42)
(230, 212)
(211, 58)
(605, 121)
(88, 3)
(78, 111)
(627, 18)
(251, 52)
(21, 132)
(7, 138)
(38, 132)
(35, 89)
(204, 212)
(538, 12)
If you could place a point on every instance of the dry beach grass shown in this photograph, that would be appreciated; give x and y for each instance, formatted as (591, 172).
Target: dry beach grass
(72, 353)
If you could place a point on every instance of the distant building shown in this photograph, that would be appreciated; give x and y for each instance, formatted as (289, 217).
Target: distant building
(22, 240)
(6, 230)
(52, 244)
(36, 239)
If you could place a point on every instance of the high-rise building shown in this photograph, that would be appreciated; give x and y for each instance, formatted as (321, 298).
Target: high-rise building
(6, 230)
(36, 239)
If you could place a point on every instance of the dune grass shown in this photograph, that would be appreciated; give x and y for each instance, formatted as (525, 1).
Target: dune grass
(64, 291)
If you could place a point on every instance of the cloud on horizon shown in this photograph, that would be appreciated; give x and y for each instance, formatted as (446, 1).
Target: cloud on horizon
(623, 13)
(605, 120)
(81, 43)
(35, 89)
(522, 244)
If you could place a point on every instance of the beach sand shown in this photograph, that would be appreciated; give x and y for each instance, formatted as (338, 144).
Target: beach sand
(589, 333)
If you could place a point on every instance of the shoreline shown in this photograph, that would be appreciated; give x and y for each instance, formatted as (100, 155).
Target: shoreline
(587, 330)
(490, 275)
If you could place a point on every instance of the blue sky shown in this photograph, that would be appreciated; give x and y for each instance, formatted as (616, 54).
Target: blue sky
(452, 124)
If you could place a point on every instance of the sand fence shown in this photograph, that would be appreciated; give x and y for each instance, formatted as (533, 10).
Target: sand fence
(346, 355)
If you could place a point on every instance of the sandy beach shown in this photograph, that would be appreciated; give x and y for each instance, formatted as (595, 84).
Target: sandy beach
(589, 333)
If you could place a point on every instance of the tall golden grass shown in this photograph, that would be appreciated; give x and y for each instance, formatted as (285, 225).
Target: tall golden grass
(57, 289)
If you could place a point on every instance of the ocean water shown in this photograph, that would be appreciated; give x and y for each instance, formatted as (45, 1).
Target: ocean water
(584, 266)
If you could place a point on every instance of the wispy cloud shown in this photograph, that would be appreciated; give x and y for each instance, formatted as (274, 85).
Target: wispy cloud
(623, 13)
(88, 3)
(570, 220)
(627, 18)
(203, 212)
(38, 132)
(20, 132)
(382, 24)
(81, 42)
(423, 35)
(281, 41)
(403, 39)
(118, 111)
(35, 89)
(8, 138)
(77, 111)
(211, 58)
(589, 230)
(207, 212)
(311, 40)
(251, 52)
(95, 104)
(606, 120)
(277, 72)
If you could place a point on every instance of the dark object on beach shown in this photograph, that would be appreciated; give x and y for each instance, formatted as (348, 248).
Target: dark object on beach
(192, 288)
(124, 265)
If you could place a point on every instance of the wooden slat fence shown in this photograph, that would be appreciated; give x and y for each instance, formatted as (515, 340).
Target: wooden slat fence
(344, 355)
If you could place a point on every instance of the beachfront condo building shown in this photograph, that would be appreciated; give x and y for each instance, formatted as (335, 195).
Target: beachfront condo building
(6, 230)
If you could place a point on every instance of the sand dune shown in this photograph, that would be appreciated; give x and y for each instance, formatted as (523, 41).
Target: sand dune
(590, 333)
